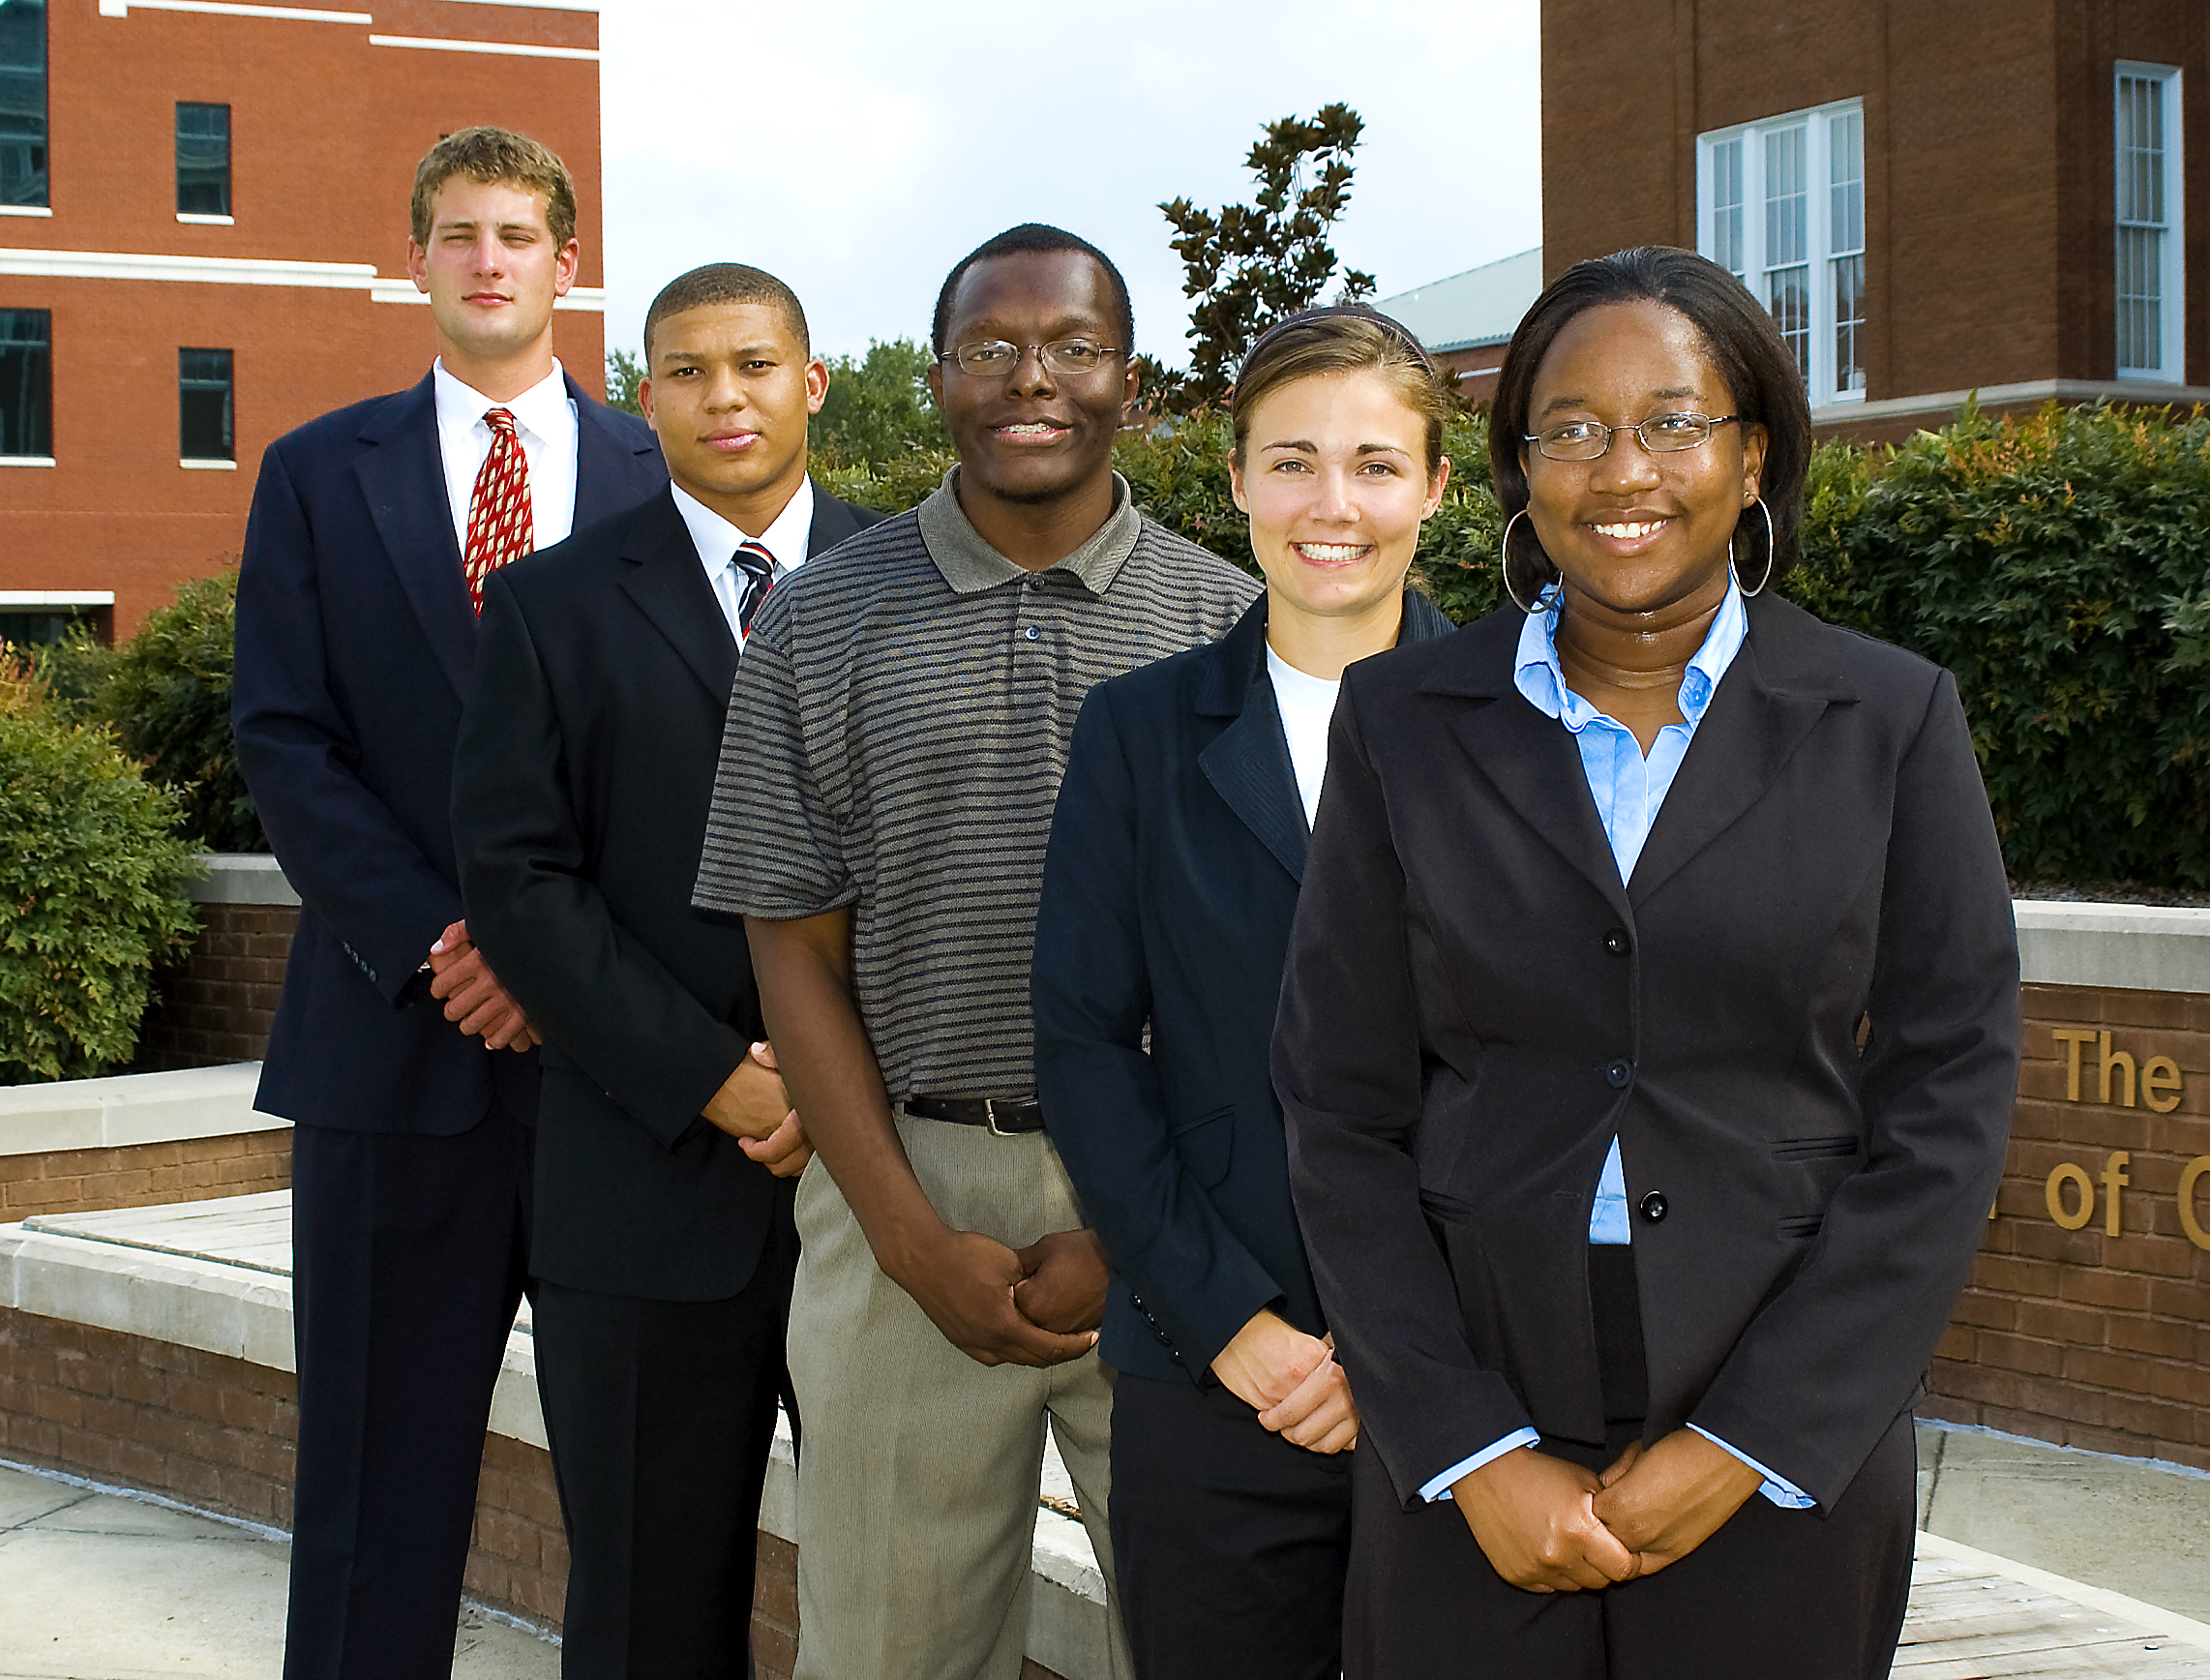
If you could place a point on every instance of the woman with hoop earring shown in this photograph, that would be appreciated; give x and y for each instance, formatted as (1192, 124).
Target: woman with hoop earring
(1648, 1043)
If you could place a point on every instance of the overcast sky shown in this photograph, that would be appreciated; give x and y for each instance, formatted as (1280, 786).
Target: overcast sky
(858, 148)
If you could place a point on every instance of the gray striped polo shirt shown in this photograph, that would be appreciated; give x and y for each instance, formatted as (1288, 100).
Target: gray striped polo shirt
(896, 736)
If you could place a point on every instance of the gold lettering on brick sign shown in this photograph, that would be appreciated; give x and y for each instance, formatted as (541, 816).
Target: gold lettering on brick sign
(2053, 1194)
(2196, 1169)
(2156, 1083)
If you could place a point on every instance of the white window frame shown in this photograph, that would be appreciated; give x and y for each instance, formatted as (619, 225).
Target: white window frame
(2170, 364)
(1821, 381)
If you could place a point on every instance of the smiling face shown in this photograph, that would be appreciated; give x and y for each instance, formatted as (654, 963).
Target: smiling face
(492, 271)
(1033, 437)
(728, 393)
(1335, 479)
(1633, 532)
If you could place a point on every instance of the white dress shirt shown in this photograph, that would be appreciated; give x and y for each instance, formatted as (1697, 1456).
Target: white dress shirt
(1307, 706)
(717, 542)
(545, 425)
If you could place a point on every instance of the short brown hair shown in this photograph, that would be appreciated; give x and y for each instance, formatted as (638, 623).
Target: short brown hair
(726, 283)
(488, 153)
(1341, 339)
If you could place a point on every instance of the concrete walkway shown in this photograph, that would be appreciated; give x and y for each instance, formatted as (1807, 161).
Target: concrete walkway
(97, 1585)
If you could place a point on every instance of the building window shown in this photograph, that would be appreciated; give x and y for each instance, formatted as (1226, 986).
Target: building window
(203, 400)
(23, 105)
(1782, 207)
(26, 384)
(202, 159)
(2146, 134)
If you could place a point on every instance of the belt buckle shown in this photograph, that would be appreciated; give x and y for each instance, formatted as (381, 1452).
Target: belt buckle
(990, 1117)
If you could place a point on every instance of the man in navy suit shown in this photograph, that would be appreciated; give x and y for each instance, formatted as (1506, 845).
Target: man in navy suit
(667, 1150)
(372, 532)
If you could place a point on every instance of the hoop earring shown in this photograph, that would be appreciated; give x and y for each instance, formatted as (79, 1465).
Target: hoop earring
(1766, 576)
(1533, 603)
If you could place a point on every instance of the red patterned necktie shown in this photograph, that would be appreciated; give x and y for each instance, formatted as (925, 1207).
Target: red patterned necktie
(500, 525)
(758, 568)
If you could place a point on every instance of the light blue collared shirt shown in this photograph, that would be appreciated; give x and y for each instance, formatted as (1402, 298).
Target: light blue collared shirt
(1628, 788)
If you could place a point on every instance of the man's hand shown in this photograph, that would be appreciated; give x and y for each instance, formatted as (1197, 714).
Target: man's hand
(475, 999)
(1064, 1289)
(1291, 1381)
(784, 1150)
(751, 1103)
(1534, 1518)
(964, 1283)
(1665, 1502)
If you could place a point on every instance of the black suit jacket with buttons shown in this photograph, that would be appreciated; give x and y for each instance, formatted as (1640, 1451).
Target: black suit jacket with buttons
(585, 764)
(1474, 1004)
(1169, 886)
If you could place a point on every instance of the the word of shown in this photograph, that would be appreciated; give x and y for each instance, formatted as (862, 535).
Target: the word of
(2115, 1179)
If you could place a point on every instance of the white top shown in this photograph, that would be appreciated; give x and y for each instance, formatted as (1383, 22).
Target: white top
(1308, 705)
(544, 423)
(715, 537)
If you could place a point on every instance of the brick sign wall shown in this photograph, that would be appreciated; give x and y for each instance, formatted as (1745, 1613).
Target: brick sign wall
(2087, 1321)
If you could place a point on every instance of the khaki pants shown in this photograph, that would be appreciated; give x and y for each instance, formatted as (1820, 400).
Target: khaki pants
(918, 1481)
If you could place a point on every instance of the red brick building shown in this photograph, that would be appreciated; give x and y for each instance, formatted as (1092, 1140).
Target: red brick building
(203, 221)
(2011, 196)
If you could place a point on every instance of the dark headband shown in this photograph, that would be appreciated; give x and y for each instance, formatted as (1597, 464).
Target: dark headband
(1396, 329)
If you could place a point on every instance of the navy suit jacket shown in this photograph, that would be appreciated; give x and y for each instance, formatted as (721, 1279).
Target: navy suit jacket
(584, 769)
(354, 644)
(1476, 1005)
(1170, 884)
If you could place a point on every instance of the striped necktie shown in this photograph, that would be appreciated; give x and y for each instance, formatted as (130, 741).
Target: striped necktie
(758, 568)
(500, 525)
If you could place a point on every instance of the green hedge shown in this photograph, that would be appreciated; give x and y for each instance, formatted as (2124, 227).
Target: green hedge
(92, 879)
(2058, 565)
(166, 694)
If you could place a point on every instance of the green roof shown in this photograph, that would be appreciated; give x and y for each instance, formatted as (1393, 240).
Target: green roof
(1481, 306)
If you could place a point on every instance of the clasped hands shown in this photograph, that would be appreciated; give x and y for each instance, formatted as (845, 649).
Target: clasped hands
(475, 999)
(1550, 1526)
(753, 1108)
(1291, 1381)
(1038, 1306)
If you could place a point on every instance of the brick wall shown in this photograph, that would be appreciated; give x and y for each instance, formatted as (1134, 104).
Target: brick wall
(2084, 1336)
(217, 1005)
(219, 1433)
(144, 1175)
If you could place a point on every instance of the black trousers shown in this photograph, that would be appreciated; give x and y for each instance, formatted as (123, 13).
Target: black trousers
(661, 1415)
(408, 1260)
(1772, 1595)
(1229, 1543)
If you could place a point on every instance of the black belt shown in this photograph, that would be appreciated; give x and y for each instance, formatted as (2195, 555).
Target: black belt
(1007, 1116)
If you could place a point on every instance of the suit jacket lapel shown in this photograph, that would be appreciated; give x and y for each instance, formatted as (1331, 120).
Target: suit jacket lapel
(1247, 763)
(1752, 727)
(403, 480)
(613, 470)
(833, 521)
(1531, 759)
(660, 571)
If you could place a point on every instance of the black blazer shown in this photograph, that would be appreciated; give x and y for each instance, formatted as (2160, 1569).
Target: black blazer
(585, 765)
(1169, 886)
(355, 640)
(1475, 1006)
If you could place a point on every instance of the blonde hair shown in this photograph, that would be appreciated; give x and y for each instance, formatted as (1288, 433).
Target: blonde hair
(491, 154)
(1343, 339)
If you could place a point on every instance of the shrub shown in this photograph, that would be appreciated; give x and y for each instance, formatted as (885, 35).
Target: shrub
(2059, 566)
(878, 410)
(92, 879)
(166, 693)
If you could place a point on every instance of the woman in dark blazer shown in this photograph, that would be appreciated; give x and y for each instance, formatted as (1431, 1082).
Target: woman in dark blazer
(1648, 1044)
(1169, 888)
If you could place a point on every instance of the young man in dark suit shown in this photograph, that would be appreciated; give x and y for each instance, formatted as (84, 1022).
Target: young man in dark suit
(372, 532)
(664, 1245)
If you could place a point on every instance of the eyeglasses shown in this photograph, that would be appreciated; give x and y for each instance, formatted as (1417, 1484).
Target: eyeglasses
(1059, 356)
(1661, 434)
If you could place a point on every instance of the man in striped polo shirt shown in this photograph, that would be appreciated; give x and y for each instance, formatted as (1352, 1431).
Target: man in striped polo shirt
(895, 740)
